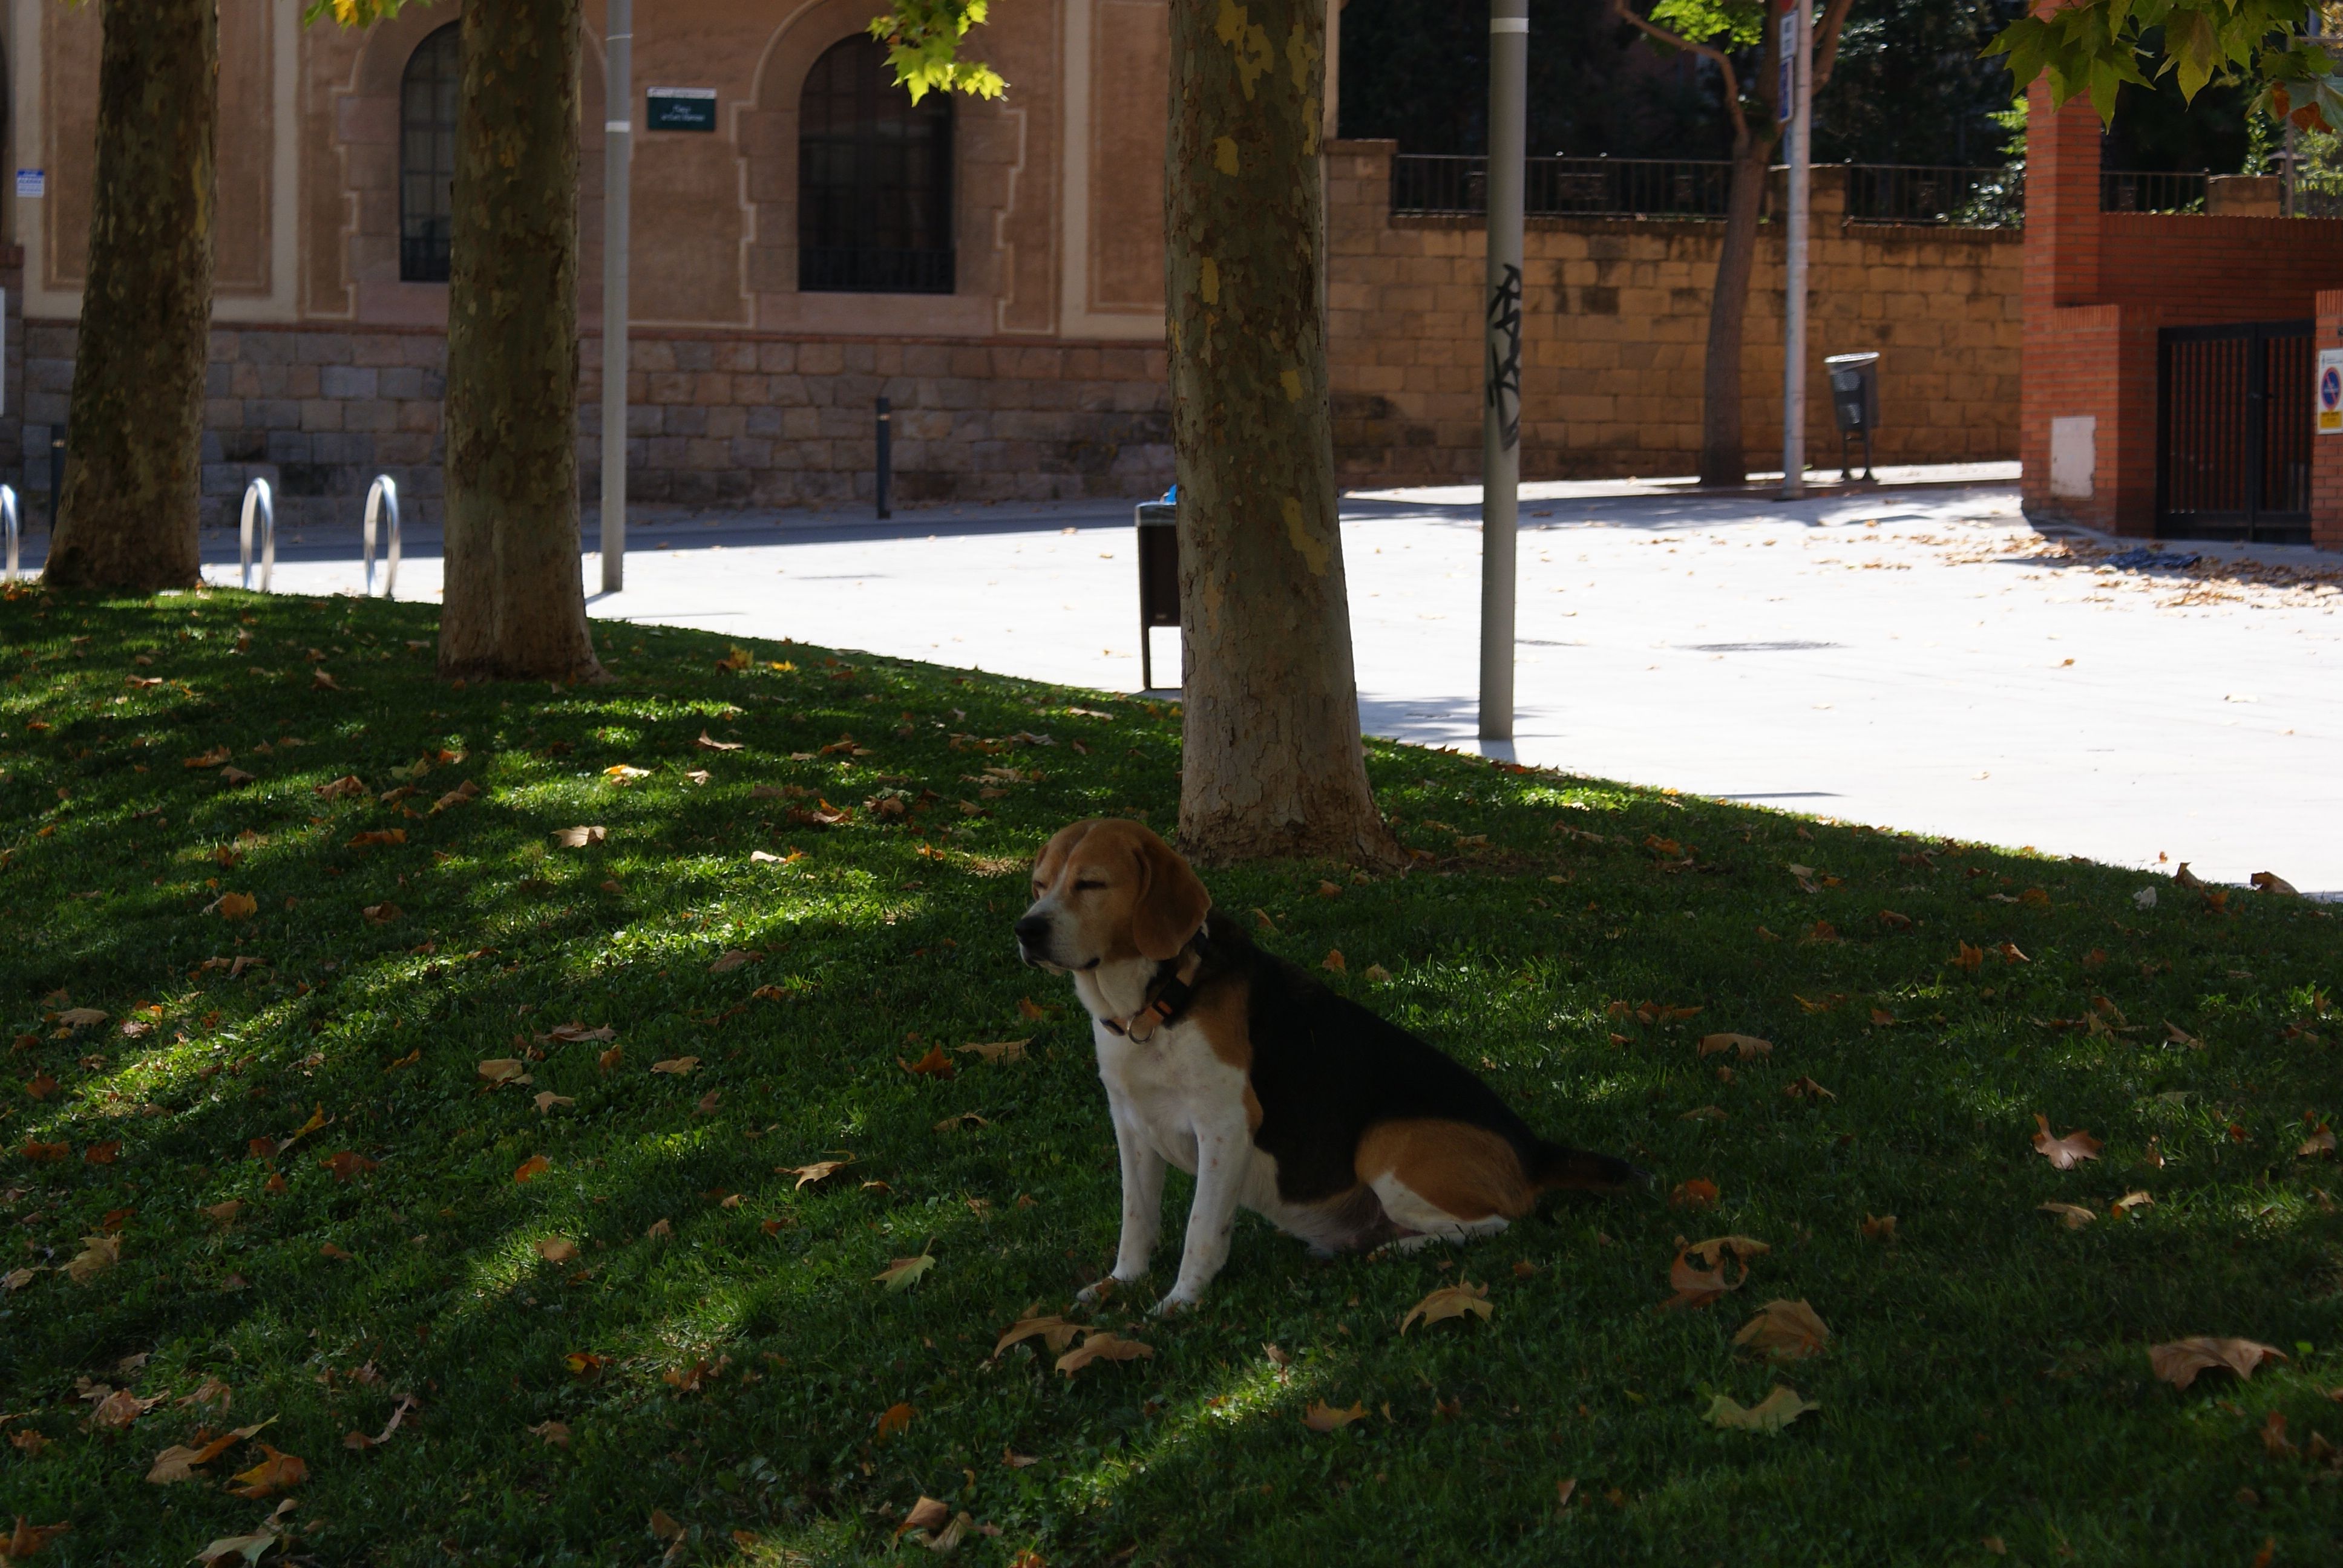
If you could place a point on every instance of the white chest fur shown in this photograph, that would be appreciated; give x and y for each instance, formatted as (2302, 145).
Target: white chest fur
(1172, 1089)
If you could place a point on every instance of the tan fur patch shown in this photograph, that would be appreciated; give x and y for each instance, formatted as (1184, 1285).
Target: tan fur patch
(1466, 1172)
(1220, 1010)
(1147, 901)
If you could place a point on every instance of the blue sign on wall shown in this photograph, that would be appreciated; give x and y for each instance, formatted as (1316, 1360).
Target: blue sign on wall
(680, 109)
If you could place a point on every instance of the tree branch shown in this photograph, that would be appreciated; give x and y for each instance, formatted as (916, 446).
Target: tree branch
(1826, 51)
(1723, 63)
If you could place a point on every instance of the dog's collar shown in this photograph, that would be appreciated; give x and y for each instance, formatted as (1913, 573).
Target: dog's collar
(1171, 992)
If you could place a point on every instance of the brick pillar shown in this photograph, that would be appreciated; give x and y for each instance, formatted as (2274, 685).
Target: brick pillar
(2326, 450)
(2062, 201)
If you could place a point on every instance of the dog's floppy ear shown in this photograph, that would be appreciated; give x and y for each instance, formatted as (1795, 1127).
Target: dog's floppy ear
(1172, 901)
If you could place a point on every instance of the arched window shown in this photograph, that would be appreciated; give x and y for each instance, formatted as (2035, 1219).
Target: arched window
(874, 179)
(427, 156)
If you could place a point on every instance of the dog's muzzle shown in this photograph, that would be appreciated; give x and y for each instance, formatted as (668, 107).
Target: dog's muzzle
(1033, 935)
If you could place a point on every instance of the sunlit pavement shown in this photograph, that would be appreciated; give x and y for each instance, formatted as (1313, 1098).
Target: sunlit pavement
(1918, 657)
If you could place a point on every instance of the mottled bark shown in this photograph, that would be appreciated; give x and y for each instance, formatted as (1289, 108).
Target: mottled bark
(1271, 763)
(133, 489)
(1724, 456)
(515, 603)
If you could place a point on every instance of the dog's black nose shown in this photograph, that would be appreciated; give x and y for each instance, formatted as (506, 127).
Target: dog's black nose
(1033, 931)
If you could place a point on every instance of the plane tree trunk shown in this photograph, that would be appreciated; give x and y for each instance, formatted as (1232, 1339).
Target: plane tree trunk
(1271, 762)
(1723, 454)
(515, 602)
(133, 491)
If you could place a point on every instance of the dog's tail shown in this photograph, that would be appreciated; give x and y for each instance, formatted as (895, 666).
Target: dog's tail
(1558, 1167)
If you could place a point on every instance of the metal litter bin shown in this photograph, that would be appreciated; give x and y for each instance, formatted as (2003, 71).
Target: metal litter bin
(1855, 398)
(1159, 574)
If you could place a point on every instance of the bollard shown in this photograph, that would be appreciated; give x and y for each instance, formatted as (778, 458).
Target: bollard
(256, 498)
(382, 496)
(9, 522)
(886, 455)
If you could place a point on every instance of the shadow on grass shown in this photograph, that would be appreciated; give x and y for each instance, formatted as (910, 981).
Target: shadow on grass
(718, 1350)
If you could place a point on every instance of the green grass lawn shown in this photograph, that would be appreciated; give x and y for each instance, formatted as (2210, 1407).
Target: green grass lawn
(281, 1134)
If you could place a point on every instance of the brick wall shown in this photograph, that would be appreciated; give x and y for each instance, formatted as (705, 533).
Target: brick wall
(1617, 325)
(2099, 287)
(2327, 451)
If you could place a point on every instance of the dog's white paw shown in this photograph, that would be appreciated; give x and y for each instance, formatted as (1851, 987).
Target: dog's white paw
(1178, 1301)
(1097, 1290)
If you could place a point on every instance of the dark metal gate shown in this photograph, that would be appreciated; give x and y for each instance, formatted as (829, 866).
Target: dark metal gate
(2233, 432)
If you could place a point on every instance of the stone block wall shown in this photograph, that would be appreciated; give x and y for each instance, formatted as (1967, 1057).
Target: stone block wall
(1616, 332)
(731, 419)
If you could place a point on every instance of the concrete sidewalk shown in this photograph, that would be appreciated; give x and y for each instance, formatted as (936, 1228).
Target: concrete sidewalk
(1919, 657)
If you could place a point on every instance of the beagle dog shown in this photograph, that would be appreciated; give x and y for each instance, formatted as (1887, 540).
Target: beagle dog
(1274, 1092)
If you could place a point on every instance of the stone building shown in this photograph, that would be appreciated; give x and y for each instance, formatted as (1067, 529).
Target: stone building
(993, 268)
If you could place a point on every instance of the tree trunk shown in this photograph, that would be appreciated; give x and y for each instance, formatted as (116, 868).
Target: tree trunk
(515, 603)
(1723, 458)
(1271, 760)
(132, 488)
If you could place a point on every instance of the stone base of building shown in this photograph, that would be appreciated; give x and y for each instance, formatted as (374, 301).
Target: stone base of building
(733, 420)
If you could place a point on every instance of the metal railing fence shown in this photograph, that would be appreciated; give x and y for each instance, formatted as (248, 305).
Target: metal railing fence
(1447, 185)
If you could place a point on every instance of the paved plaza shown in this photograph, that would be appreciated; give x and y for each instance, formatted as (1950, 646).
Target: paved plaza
(1917, 656)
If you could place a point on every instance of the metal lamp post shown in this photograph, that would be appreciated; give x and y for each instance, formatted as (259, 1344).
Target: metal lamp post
(618, 148)
(1501, 423)
(1796, 44)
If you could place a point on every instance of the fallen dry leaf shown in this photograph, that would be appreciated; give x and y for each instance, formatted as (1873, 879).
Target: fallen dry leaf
(2074, 1214)
(935, 1064)
(1333, 961)
(330, 1251)
(2065, 1153)
(1705, 1113)
(531, 1168)
(81, 1017)
(579, 837)
(28, 1538)
(349, 1165)
(2271, 882)
(1698, 1287)
(236, 906)
(927, 1513)
(556, 1249)
(1745, 1045)
(276, 1472)
(1785, 1330)
(2179, 1361)
(1881, 1228)
(725, 962)
(1450, 1301)
(998, 1051)
(664, 1525)
(895, 1418)
(2320, 1142)
(902, 1274)
(1805, 1089)
(1697, 1193)
(505, 1069)
(1102, 1346)
(101, 1253)
(177, 1464)
(1770, 1414)
(1324, 1417)
(1052, 1331)
(818, 1171)
(1016, 1461)
(554, 1433)
(571, 1034)
(547, 1100)
(675, 1065)
(2128, 1202)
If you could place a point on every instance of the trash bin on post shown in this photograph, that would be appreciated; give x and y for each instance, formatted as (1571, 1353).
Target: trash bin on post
(1159, 575)
(1855, 398)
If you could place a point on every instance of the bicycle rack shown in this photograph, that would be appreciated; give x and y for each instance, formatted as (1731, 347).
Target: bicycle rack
(9, 522)
(382, 497)
(256, 498)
